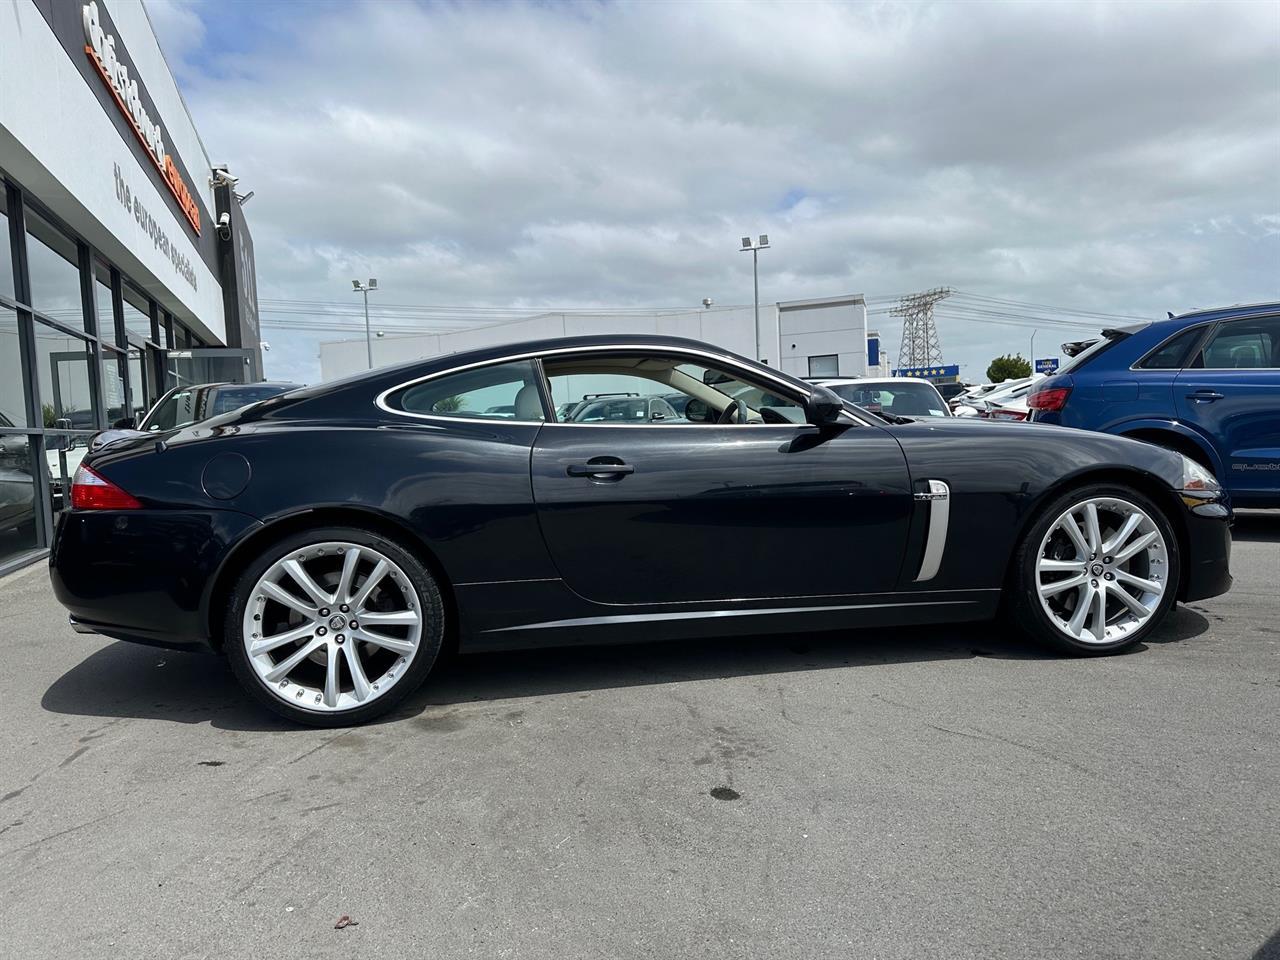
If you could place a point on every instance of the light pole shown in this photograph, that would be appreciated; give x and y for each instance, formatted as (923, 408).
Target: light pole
(1033, 350)
(755, 248)
(365, 288)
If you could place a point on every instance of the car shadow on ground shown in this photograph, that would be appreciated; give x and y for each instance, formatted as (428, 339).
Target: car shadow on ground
(126, 680)
(1256, 526)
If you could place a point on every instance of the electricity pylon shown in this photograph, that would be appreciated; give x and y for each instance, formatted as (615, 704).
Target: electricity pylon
(920, 344)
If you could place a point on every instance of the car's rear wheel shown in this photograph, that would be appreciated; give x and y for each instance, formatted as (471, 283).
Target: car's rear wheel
(333, 627)
(1097, 571)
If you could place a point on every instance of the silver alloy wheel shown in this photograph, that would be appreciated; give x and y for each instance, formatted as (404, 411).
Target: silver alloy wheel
(1102, 570)
(332, 626)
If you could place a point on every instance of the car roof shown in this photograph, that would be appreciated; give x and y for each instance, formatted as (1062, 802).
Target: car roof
(427, 366)
(1236, 310)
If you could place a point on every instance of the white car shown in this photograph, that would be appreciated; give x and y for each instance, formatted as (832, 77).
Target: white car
(898, 396)
(1009, 391)
(1015, 410)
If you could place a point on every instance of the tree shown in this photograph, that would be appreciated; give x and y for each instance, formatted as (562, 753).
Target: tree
(1011, 366)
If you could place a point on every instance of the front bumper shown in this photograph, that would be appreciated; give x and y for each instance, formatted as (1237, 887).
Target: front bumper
(143, 575)
(1207, 564)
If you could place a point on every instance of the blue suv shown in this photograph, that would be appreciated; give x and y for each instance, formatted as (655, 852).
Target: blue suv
(1206, 384)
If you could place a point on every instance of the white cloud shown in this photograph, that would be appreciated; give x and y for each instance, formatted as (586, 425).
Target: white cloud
(612, 154)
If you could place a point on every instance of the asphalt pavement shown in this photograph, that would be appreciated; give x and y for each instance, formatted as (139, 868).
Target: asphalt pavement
(941, 792)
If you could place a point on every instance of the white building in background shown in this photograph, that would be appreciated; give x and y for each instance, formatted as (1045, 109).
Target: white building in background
(818, 338)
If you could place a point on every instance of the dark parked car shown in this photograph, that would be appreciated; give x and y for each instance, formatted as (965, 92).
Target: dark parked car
(624, 410)
(901, 396)
(332, 540)
(182, 406)
(1206, 384)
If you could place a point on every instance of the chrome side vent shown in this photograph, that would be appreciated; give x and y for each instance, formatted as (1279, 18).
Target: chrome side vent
(938, 497)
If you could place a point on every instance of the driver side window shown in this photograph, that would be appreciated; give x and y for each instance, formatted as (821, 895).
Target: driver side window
(645, 390)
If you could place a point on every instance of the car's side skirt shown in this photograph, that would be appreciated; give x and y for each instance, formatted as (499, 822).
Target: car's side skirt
(547, 612)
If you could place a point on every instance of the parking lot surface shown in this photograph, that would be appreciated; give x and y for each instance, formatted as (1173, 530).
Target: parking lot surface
(907, 793)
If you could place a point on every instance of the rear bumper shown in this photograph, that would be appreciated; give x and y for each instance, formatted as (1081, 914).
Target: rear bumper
(1208, 559)
(142, 575)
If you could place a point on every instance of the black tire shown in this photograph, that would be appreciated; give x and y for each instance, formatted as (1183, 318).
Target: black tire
(428, 601)
(1025, 608)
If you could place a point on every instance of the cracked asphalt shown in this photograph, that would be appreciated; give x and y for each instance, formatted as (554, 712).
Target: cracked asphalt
(887, 794)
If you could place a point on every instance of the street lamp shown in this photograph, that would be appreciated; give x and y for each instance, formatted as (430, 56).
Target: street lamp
(365, 288)
(755, 248)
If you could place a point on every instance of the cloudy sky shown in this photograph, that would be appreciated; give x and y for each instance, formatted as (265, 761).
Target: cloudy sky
(1108, 157)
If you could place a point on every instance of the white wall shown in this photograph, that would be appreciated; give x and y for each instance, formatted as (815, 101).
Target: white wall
(56, 139)
(813, 328)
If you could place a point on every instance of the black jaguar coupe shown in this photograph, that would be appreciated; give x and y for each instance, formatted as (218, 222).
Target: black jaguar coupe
(331, 542)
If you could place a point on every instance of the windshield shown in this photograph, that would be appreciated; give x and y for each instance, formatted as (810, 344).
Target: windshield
(226, 399)
(900, 398)
(624, 410)
(176, 410)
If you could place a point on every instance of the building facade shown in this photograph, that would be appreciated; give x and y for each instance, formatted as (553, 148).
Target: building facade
(126, 266)
(818, 338)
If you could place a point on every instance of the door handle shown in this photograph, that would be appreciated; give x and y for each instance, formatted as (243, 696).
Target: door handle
(1204, 396)
(602, 469)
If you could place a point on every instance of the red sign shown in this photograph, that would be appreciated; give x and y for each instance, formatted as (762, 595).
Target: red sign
(101, 49)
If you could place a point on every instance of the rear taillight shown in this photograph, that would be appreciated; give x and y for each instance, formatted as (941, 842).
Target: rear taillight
(1049, 398)
(92, 491)
(1008, 415)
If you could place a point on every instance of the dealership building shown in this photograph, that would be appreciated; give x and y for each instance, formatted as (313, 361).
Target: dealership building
(826, 337)
(126, 266)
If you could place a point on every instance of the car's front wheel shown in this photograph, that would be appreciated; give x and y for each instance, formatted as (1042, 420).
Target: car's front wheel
(1097, 571)
(333, 627)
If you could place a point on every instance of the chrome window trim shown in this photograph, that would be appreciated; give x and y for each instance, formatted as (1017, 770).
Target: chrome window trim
(381, 401)
(1208, 330)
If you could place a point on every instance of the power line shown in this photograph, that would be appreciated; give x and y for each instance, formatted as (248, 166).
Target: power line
(1044, 306)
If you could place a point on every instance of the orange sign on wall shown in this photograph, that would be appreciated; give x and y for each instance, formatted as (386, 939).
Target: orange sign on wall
(101, 49)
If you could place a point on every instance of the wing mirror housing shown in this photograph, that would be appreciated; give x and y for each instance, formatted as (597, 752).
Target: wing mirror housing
(822, 407)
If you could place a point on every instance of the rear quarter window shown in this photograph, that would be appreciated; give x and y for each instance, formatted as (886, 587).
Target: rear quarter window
(1173, 353)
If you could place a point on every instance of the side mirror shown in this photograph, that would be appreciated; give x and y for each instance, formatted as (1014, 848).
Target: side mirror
(822, 407)
(124, 423)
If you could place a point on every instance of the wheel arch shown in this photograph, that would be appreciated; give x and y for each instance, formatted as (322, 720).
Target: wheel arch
(278, 528)
(1173, 435)
(1145, 483)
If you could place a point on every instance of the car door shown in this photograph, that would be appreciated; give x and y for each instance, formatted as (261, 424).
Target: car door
(1231, 395)
(657, 512)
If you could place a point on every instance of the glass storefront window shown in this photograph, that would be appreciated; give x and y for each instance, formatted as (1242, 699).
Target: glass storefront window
(55, 277)
(17, 496)
(137, 385)
(102, 292)
(6, 254)
(63, 453)
(13, 404)
(137, 313)
(113, 384)
(62, 371)
(224, 366)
